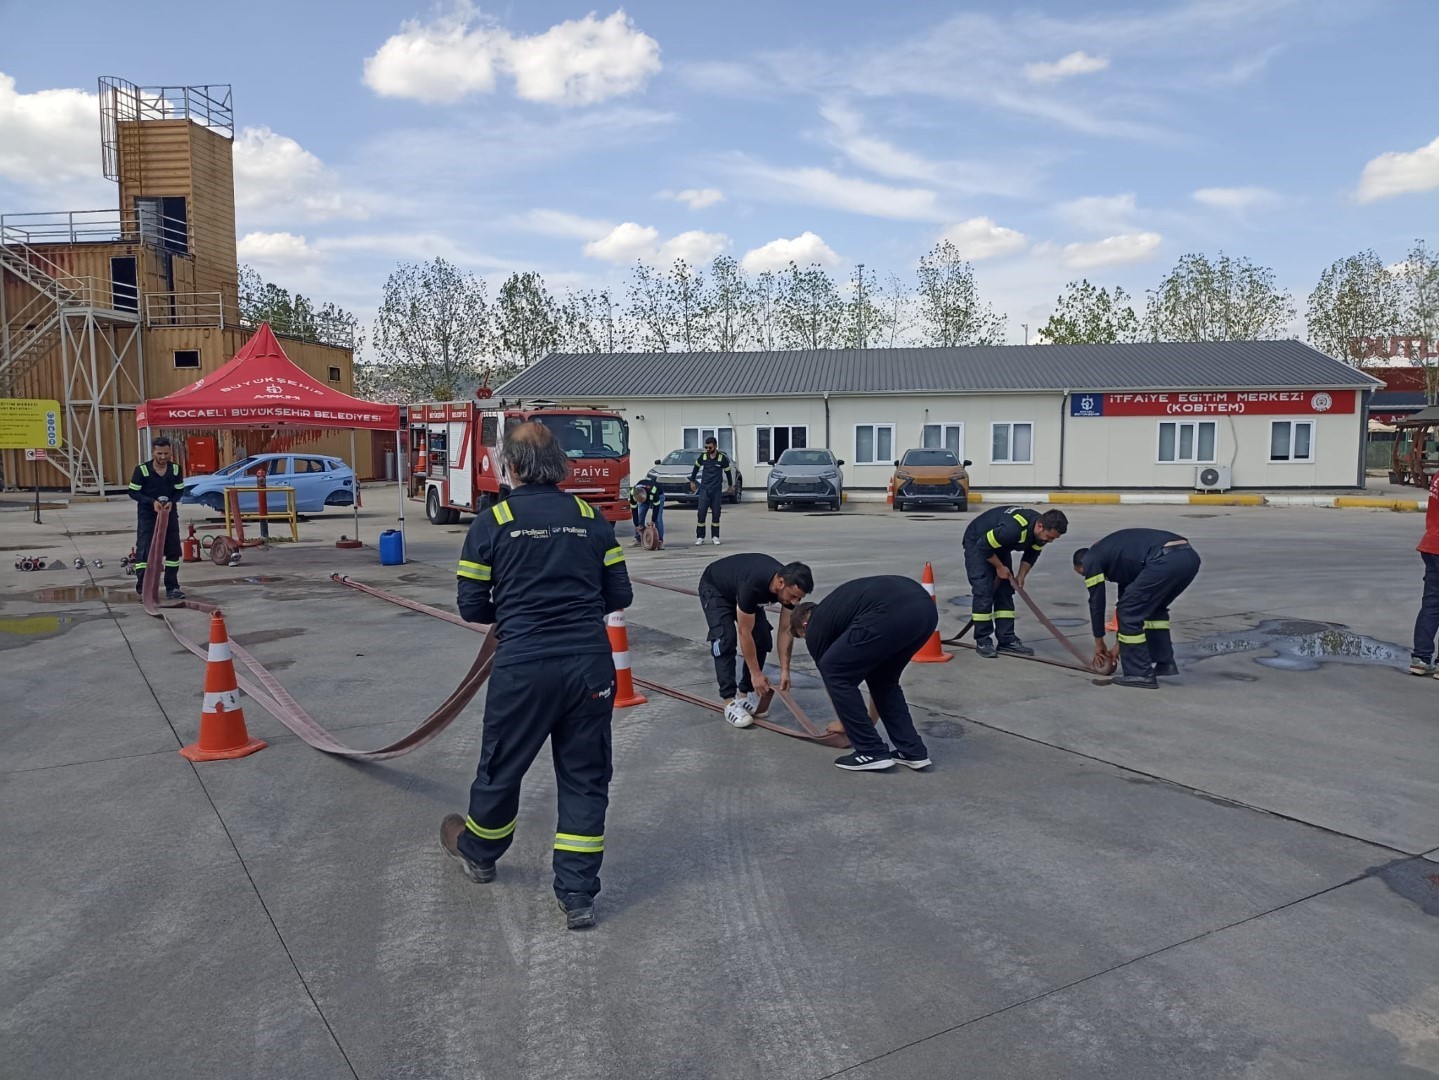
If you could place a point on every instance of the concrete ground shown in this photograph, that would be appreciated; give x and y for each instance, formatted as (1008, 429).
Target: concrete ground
(1237, 876)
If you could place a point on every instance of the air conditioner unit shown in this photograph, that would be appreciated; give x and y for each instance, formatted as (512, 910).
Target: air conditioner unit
(1213, 478)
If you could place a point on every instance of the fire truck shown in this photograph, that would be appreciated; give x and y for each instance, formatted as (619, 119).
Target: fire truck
(457, 462)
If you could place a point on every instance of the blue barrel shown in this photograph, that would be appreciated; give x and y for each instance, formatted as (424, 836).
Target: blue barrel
(392, 548)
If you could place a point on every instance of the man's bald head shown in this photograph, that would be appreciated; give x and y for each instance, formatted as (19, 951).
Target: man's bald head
(533, 456)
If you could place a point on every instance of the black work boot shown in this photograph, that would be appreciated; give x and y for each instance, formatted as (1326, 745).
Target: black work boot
(579, 909)
(1166, 669)
(482, 873)
(985, 647)
(1139, 682)
(1015, 647)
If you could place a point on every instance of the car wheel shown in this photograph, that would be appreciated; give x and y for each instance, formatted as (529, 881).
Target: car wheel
(738, 493)
(772, 504)
(434, 512)
(961, 507)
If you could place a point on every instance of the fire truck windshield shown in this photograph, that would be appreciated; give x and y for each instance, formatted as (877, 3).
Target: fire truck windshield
(583, 436)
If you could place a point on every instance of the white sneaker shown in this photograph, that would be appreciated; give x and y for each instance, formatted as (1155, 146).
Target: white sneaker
(714, 540)
(737, 714)
(700, 541)
(749, 703)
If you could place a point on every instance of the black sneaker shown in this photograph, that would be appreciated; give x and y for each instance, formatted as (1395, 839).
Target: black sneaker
(858, 762)
(1166, 670)
(911, 762)
(579, 909)
(174, 594)
(1015, 648)
(985, 648)
(1139, 682)
(482, 873)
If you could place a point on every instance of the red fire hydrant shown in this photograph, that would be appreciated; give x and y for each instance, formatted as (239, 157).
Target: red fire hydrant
(190, 546)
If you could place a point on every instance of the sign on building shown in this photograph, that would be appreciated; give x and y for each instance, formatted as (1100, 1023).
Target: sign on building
(29, 423)
(1214, 403)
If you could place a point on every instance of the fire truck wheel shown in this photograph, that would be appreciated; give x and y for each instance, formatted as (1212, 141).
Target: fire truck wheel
(436, 513)
(452, 517)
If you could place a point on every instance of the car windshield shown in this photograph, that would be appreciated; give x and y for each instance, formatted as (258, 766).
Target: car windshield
(681, 457)
(805, 457)
(929, 457)
(582, 436)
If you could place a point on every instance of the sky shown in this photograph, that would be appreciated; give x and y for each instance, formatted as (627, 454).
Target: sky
(1049, 141)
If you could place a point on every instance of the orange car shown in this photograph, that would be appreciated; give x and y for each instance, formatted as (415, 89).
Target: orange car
(931, 477)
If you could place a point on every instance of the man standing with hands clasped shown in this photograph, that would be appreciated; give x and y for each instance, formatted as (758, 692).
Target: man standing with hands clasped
(710, 478)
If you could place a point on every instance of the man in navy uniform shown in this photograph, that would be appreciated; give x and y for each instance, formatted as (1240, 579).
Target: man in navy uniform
(154, 482)
(545, 569)
(710, 478)
(647, 499)
(990, 542)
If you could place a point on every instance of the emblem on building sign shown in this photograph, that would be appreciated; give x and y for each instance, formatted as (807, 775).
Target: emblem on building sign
(1321, 402)
(1086, 403)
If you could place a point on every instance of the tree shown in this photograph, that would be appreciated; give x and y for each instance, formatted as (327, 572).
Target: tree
(729, 301)
(685, 291)
(649, 308)
(1087, 314)
(763, 320)
(432, 332)
(809, 308)
(1227, 300)
(525, 326)
(864, 315)
(949, 308)
(897, 302)
(1356, 298)
(587, 323)
(1419, 311)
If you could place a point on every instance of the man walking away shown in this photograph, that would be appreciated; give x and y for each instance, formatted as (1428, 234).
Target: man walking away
(544, 569)
(647, 498)
(1426, 626)
(154, 482)
(733, 594)
(990, 542)
(1151, 567)
(710, 478)
(866, 631)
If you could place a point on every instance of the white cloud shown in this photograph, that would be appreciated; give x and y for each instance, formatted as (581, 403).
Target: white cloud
(629, 241)
(50, 141)
(562, 223)
(695, 198)
(1400, 173)
(277, 177)
(1236, 199)
(275, 249)
(1111, 251)
(802, 250)
(576, 62)
(1099, 213)
(980, 238)
(1075, 63)
(820, 187)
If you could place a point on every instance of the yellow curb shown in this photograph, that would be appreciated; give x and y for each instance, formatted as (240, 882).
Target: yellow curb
(1090, 498)
(1226, 500)
(975, 496)
(1374, 503)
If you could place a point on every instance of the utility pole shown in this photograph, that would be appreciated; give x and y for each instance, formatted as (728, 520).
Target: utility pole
(1026, 332)
(859, 305)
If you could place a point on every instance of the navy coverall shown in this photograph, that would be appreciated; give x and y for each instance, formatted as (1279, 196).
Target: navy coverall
(1151, 567)
(737, 583)
(711, 475)
(545, 569)
(866, 631)
(148, 484)
(1001, 532)
(653, 507)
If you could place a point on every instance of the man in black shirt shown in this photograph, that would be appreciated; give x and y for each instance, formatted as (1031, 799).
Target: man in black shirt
(990, 542)
(153, 482)
(733, 594)
(1151, 567)
(867, 631)
(545, 570)
(710, 478)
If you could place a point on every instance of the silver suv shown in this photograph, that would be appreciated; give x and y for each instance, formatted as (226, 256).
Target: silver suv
(805, 476)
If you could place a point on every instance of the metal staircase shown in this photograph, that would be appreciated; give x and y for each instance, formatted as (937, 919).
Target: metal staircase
(35, 330)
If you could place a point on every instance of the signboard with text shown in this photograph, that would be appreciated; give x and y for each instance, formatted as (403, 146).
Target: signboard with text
(1214, 403)
(29, 423)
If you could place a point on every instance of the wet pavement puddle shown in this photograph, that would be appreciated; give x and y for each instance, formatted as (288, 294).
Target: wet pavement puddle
(1298, 645)
(70, 594)
(17, 631)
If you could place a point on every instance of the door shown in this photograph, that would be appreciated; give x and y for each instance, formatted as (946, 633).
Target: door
(771, 442)
(124, 285)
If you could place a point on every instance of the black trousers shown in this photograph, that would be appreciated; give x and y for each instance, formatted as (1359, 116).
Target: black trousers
(991, 599)
(723, 638)
(1144, 638)
(144, 533)
(875, 651)
(711, 500)
(568, 700)
(1426, 626)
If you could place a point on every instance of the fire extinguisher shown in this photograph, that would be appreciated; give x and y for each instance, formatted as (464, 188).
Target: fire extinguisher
(190, 546)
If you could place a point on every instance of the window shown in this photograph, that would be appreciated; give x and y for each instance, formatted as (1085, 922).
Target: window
(1291, 440)
(873, 444)
(1187, 442)
(694, 438)
(489, 430)
(943, 437)
(187, 358)
(124, 286)
(164, 222)
(587, 435)
(771, 442)
(1011, 444)
(308, 465)
(334, 374)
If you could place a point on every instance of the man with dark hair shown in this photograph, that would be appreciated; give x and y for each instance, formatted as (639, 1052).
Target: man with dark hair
(733, 594)
(545, 570)
(990, 541)
(710, 478)
(1151, 567)
(866, 631)
(647, 499)
(153, 483)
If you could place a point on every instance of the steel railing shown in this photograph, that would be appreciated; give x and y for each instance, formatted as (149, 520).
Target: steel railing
(94, 227)
(186, 309)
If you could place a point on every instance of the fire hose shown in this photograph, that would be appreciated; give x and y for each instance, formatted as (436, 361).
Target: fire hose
(1085, 664)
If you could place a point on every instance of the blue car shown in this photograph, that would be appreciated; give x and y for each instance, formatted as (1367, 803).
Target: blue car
(319, 481)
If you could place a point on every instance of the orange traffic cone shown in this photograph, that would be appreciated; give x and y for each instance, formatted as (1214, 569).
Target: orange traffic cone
(931, 653)
(889, 493)
(1113, 624)
(625, 694)
(222, 721)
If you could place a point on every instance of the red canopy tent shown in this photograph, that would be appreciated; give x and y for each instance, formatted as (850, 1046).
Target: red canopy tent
(262, 388)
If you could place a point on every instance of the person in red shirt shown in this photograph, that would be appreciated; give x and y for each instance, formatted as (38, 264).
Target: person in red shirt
(1427, 625)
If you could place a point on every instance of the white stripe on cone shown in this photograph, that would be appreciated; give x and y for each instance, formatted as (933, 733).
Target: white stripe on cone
(229, 698)
(928, 587)
(615, 618)
(219, 650)
(622, 659)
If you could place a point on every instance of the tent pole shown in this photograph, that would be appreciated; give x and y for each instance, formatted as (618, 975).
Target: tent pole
(354, 466)
(400, 488)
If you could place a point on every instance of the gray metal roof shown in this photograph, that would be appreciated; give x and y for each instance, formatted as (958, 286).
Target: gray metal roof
(1226, 365)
